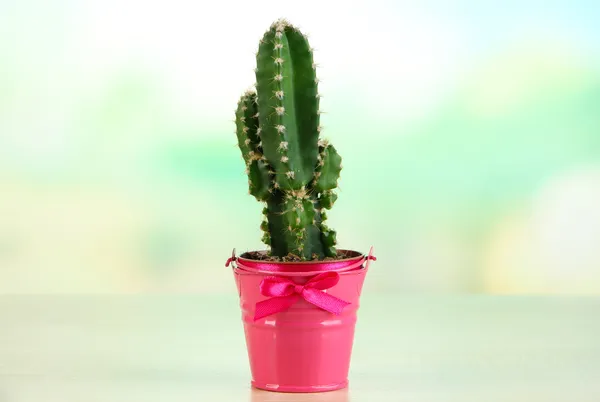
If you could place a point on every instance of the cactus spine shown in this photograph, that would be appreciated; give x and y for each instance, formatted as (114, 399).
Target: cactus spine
(289, 167)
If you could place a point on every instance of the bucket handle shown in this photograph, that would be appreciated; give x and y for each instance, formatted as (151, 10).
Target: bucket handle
(368, 258)
(231, 259)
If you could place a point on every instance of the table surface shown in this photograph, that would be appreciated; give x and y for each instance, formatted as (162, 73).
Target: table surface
(191, 348)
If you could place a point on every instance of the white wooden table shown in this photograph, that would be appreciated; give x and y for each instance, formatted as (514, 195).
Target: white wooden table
(180, 348)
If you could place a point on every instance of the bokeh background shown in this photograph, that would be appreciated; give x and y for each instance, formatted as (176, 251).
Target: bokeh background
(470, 132)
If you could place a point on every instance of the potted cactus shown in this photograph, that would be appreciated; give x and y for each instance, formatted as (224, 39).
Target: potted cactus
(299, 297)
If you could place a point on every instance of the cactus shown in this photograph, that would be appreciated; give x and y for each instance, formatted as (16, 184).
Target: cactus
(289, 167)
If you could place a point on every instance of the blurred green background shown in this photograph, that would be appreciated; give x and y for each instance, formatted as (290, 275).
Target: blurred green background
(470, 132)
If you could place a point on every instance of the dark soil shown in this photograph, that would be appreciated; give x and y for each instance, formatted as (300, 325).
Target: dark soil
(263, 256)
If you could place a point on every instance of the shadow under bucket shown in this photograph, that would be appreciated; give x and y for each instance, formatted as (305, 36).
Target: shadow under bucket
(299, 320)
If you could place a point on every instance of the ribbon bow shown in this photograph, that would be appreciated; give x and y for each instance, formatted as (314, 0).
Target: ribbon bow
(284, 293)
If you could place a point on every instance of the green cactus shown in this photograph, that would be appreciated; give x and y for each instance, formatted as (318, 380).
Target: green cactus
(289, 167)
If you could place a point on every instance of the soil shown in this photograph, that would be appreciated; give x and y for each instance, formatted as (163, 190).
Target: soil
(263, 256)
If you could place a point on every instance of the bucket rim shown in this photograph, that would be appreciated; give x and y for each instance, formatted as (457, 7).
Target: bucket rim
(356, 264)
(354, 255)
(242, 271)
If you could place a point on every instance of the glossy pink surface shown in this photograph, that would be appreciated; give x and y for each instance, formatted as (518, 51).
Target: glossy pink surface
(302, 349)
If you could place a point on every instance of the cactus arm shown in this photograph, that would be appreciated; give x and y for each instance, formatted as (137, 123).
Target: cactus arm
(329, 240)
(259, 180)
(264, 226)
(247, 129)
(246, 121)
(288, 105)
(329, 167)
(242, 137)
(327, 199)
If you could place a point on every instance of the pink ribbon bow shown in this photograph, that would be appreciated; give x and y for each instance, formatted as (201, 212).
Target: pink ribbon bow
(284, 293)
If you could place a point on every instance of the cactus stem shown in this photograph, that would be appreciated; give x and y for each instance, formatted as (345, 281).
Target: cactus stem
(288, 171)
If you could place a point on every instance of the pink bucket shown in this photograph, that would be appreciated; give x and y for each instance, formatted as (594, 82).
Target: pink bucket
(304, 344)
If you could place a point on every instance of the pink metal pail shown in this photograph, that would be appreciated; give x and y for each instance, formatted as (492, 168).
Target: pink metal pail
(306, 345)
